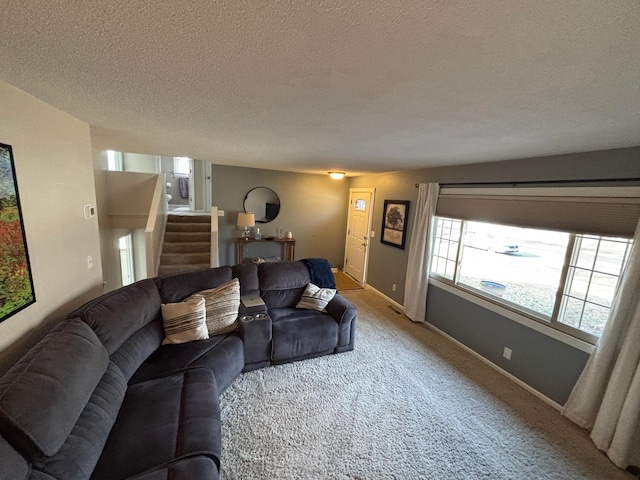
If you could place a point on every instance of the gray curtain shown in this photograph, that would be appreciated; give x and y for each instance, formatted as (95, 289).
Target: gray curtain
(606, 398)
(420, 248)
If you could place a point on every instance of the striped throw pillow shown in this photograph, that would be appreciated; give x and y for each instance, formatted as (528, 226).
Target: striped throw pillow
(316, 298)
(184, 321)
(222, 305)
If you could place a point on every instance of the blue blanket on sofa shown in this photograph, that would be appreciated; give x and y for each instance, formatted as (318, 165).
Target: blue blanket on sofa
(320, 272)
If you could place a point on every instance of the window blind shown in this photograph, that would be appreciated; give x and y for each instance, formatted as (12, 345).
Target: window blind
(608, 211)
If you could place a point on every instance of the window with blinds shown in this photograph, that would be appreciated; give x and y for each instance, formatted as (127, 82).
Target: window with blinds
(554, 255)
(609, 211)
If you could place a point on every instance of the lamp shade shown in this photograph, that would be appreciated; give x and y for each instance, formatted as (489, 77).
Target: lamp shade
(246, 219)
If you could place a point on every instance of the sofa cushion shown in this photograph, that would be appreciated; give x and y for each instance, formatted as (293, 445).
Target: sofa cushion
(12, 464)
(177, 287)
(138, 347)
(222, 304)
(301, 333)
(44, 393)
(161, 421)
(117, 315)
(195, 468)
(223, 354)
(248, 276)
(37, 475)
(185, 321)
(316, 298)
(282, 283)
(80, 453)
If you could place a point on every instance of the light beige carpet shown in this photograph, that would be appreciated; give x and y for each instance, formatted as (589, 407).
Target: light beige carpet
(405, 404)
(345, 282)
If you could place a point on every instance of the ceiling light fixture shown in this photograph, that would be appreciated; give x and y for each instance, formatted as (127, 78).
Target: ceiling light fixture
(336, 175)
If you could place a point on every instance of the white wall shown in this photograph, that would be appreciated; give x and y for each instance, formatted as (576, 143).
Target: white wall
(123, 202)
(128, 198)
(53, 161)
(109, 251)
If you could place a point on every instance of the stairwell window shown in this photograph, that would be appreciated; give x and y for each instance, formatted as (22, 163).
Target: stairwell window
(114, 161)
(181, 166)
(125, 244)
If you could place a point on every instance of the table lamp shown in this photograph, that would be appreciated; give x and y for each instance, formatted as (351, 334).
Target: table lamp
(246, 220)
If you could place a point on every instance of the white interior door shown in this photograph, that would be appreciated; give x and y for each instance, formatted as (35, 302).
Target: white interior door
(356, 252)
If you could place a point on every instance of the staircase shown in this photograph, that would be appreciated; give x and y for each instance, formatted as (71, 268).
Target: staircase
(187, 244)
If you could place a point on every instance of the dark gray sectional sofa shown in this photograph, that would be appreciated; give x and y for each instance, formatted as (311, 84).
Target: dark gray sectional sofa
(99, 397)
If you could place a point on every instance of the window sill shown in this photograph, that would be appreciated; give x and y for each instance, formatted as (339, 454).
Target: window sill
(516, 317)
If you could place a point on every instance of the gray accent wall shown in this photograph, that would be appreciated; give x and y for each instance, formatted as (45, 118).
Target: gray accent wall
(550, 366)
(384, 259)
(312, 207)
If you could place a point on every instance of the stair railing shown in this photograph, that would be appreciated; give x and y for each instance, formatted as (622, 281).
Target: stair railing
(215, 251)
(156, 224)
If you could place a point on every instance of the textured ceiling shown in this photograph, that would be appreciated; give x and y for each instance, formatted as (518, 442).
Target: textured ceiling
(355, 85)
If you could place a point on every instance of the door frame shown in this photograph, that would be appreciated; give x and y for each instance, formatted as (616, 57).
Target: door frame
(365, 266)
(192, 186)
(200, 186)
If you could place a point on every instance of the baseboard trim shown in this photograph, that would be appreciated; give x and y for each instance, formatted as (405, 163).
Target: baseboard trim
(390, 300)
(484, 360)
(510, 376)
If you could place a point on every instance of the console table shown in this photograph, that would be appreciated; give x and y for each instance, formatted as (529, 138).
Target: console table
(288, 245)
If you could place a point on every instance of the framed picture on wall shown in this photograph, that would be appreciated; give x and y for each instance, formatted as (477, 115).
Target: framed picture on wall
(394, 222)
(16, 282)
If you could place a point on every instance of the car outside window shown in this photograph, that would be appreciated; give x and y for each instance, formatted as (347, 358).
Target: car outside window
(565, 280)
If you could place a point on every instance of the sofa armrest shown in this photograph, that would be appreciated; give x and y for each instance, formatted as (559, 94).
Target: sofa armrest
(341, 309)
(344, 313)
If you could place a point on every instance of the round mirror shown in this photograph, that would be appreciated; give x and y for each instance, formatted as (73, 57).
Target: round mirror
(263, 202)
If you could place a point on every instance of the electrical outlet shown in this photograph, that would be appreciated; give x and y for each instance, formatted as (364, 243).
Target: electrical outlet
(507, 353)
(393, 287)
(221, 213)
(373, 234)
(89, 261)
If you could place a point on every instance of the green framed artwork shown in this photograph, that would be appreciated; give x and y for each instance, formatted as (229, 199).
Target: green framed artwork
(16, 282)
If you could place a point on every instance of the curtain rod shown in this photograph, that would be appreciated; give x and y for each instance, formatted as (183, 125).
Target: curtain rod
(538, 182)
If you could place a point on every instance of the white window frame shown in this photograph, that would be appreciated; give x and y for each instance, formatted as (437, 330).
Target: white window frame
(127, 269)
(114, 161)
(178, 166)
(551, 322)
